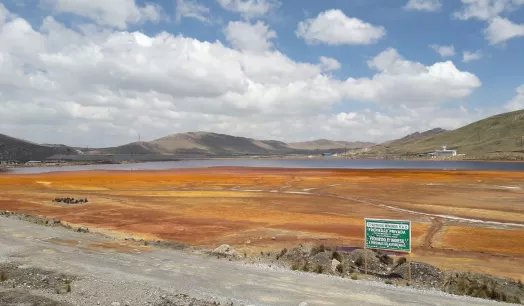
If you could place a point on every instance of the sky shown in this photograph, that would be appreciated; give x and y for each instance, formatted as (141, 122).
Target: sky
(102, 73)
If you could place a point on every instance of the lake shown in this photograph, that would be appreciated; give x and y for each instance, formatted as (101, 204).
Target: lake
(291, 163)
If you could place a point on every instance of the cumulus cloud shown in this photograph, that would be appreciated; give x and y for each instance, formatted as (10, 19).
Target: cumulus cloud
(468, 56)
(250, 8)
(423, 5)
(115, 13)
(501, 29)
(329, 64)
(192, 9)
(517, 103)
(486, 9)
(333, 27)
(444, 51)
(248, 36)
(401, 81)
(60, 84)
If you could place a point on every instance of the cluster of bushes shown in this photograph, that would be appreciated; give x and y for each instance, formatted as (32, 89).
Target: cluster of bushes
(464, 285)
(69, 200)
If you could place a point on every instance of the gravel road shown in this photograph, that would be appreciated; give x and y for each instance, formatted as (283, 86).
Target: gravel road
(149, 276)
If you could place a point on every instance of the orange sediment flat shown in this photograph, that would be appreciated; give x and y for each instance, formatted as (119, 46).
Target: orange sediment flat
(475, 217)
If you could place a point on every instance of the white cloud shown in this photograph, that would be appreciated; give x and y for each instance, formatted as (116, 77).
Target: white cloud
(250, 8)
(192, 9)
(517, 103)
(501, 29)
(115, 13)
(468, 56)
(329, 64)
(404, 82)
(423, 5)
(68, 85)
(444, 51)
(247, 36)
(486, 9)
(333, 27)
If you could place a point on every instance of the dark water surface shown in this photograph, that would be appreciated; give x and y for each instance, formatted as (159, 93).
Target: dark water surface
(291, 163)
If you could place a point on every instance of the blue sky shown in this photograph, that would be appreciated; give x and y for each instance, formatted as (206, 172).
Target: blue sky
(253, 67)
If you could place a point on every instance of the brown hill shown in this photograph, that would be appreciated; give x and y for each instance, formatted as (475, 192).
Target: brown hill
(17, 149)
(205, 143)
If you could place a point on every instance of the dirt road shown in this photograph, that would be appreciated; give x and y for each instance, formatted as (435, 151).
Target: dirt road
(135, 276)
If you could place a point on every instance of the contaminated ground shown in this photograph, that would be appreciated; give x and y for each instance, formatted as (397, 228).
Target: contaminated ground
(462, 220)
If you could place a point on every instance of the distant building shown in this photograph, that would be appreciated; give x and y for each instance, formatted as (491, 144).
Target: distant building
(327, 154)
(32, 162)
(444, 152)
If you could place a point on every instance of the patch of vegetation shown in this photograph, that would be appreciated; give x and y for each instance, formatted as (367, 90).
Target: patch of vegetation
(282, 253)
(295, 266)
(401, 260)
(474, 288)
(3, 276)
(320, 249)
(340, 268)
(318, 269)
(359, 261)
(336, 255)
(305, 267)
(385, 259)
(389, 282)
(354, 276)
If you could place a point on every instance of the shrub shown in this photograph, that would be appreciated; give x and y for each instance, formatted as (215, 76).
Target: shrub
(68, 288)
(283, 252)
(359, 261)
(385, 259)
(3, 276)
(320, 249)
(319, 269)
(305, 267)
(389, 282)
(295, 266)
(336, 255)
(401, 260)
(354, 276)
(340, 268)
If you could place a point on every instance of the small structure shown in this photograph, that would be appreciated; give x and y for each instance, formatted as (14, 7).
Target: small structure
(444, 152)
(327, 154)
(33, 162)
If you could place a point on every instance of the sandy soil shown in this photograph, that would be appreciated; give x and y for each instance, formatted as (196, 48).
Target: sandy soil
(461, 219)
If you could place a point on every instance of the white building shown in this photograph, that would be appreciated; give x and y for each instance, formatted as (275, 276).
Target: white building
(444, 152)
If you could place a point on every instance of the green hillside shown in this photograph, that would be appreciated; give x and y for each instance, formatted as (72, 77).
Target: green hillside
(501, 133)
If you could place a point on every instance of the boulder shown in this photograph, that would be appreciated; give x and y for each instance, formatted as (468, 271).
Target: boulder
(334, 264)
(225, 250)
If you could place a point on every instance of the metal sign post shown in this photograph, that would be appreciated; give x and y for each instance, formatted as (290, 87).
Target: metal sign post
(387, 235)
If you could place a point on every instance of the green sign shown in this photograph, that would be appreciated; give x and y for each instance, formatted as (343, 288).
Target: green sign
(392, 235)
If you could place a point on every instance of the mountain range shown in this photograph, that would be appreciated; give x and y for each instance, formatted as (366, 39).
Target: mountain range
(503, 133)
(192, 143)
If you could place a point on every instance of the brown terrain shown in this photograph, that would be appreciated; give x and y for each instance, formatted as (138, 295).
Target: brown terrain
(463, 220)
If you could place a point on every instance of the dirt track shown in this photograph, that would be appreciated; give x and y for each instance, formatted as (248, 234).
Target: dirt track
(462, 219)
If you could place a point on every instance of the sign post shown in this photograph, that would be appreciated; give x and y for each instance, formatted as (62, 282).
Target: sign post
(388, 235)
